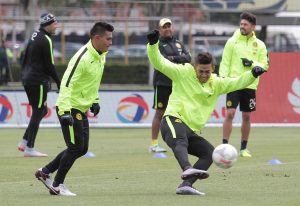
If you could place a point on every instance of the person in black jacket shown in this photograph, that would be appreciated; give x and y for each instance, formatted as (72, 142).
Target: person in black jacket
(37, 68)
(4, 64)
(173, 50)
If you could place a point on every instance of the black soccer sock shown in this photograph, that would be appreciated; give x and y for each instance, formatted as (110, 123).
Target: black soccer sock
(225, 141)
(45, 170)
(244, 144)
(189, 182)
(55, 184)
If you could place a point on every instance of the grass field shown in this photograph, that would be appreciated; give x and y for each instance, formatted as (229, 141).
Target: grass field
(124, 173)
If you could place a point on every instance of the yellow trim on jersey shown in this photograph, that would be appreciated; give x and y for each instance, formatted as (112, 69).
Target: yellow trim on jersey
(51, 48)
(71, 130)
(171, 126)
(41, 96)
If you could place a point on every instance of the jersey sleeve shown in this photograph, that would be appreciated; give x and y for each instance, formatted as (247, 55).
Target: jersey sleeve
(171, 70)
(230, 84)
(263, 58)
(226, 59)
(49, 59)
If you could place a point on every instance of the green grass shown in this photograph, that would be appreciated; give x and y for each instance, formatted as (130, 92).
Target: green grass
(124, 173)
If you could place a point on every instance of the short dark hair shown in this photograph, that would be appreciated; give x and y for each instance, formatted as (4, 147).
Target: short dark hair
(100, 28)
(249, 17)
(204, 58)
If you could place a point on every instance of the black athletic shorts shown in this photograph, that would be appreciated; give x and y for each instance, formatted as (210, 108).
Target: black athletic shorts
(246, 98)
(37, 95)
(161, 97)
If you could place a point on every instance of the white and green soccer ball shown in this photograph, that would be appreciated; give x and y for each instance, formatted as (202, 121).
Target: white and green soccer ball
(224, 156)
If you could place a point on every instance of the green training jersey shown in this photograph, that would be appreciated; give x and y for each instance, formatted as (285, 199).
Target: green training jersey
(81, 81)
(239, 46)
(192, 101)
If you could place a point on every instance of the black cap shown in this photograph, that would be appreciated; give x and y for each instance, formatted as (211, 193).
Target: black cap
(47, 19)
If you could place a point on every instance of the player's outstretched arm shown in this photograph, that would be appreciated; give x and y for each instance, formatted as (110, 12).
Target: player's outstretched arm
(157, 60)
(228, 84)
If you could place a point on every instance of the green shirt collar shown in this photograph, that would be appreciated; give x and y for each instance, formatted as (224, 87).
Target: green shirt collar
(94, 52)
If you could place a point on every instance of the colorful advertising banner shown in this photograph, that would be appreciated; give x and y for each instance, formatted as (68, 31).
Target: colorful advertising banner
(118, 109)
(270, 6)
(241, 5)
(278, 102)
(278, 95)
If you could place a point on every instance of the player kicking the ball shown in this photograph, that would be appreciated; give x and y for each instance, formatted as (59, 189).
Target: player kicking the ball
(195, 91)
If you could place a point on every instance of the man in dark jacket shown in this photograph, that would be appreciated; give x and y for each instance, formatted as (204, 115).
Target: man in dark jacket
(37, 68)
(4, 64)
(173, 50)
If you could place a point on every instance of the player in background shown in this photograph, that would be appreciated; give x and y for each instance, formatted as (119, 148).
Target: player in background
(195, 91)
(37, 68)
(78, 93)
(242, 51)
(173, 50)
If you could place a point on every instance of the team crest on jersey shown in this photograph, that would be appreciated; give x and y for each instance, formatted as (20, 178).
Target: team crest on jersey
(79, 116)
(255, 44)
(178, 120)
(229, 103)
(160, 104)
(178, 45)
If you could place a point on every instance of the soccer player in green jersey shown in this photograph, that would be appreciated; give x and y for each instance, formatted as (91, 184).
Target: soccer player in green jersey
(175, 51)
(195, 91)
(78, 93)
(241, 51)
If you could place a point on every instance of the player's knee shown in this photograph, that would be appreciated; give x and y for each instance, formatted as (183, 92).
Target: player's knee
(230, 114)
(84, 151)
(76, 150)
(180, 146)
(246, 117)
(210, 150)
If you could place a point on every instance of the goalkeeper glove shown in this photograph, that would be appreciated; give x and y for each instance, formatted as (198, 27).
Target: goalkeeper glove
(95, 108)
(246, 62)
(153, 37)
(66, 119)
(257, 71)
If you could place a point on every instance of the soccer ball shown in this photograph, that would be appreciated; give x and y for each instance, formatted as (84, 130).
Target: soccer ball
(224, 156)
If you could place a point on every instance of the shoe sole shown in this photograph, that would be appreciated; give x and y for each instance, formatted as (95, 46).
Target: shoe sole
(244, 156)
(33, 156)
(53, 191)
(199, 175)
(153, 151)
(27, 155)
(189, 192)
(42, 180)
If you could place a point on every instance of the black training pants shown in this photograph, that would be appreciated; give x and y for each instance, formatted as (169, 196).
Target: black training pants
(183, 141)
(37, 96)
(77, 141)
